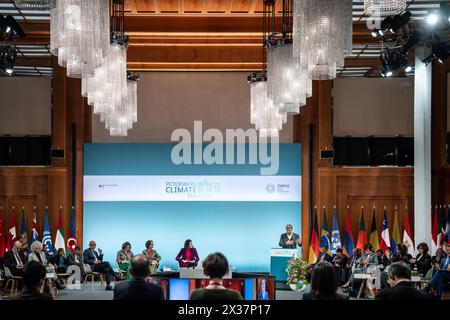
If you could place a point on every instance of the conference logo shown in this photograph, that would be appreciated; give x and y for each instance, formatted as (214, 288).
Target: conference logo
(270, 188)
(234, 147)
(192, 189)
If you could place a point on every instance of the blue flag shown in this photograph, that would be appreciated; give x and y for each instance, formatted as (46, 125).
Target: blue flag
(47, 239)
(23, 230)
(34, 233)
(335, 236)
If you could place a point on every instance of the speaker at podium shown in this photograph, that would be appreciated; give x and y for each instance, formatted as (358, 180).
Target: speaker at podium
(279, 259)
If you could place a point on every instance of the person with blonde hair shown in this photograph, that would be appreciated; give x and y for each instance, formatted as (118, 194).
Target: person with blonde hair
(39, 256)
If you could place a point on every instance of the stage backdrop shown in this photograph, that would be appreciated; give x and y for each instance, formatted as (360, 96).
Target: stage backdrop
(134, 192)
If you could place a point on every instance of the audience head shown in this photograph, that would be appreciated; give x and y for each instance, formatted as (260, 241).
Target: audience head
(215, 266)
(339, 252)
(323, 281)
(367, 248)
(402, 249)
(188, 244)
(22, 239)
(398, 271)
(77, 249)
(149, 244)
(17, 245)
(323, 249)
(289, 228)
(422, 248)
(33, 275)
(36, 246)
(126, 246)
(62, 252)
(356, 252)
(92, 245)
(439, 252)
(140, 267)
(379, 252)
(388, 251)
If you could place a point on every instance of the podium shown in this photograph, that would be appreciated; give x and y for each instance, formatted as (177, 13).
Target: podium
(279, 259)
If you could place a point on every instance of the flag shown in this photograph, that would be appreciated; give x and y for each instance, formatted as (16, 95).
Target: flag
(60, 243)
(335, 236)
(407, 235)
(349, 245)
(325, 233)
(72, 240)
(447, 226)
(374, 233)
(385, 242)
(11, 231)
(395, 233)
(434, 231)
(23, 230)
(47, 237)
(314, 242)
(2, 237)
(34, 229)
(441, 228)
(362, 237)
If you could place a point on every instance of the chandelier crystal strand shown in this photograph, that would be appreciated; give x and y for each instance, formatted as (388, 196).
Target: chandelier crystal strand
(34, 4)
(384, 8)
(322, 36)
(79, 35)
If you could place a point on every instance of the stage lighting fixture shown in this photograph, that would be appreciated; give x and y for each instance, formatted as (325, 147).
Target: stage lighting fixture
(374, 34)
(413, 39)
(432, 18)
(408, 69)
(14, 27)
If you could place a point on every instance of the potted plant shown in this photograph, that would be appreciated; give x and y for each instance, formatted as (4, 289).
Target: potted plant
(297, 270)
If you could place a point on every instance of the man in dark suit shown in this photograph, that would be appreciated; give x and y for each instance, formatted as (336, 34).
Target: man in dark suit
(401, 287)
(95, 260)
(324, 255)
(138, 288)
(289, 239)
(14, 260)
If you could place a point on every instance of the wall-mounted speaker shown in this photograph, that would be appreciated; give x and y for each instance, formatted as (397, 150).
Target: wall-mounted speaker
(326, 154)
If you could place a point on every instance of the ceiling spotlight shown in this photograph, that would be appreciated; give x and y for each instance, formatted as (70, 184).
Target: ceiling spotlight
(374, 33)
(389, 74)
(433, 19)
(9, 71)
(8, 29)
(408, 69)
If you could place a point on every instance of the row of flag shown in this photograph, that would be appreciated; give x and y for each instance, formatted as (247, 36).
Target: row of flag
(440, 233)
(12, 236)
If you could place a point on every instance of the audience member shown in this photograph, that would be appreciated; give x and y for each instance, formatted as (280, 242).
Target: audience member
(138, 288)
(61, 261)
(76, 259)
(339, 263)
(402, 254)
(188, 257)
(437, 259)
(386, 259)
(422, 261)
(351, 266)
(401, 287)
(39, 256)
(323, 283)
(95, 260)
(33, 280)
(124, 258)
(14, 260)
(152, 255)
(24, 248)
(215, 266)
(440, 277)
(324, 255)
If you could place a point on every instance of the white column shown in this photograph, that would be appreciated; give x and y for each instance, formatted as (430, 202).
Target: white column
(422, 148)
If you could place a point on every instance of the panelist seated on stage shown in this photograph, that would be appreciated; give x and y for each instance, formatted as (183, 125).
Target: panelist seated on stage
(289, 239)
(215, 267)
(95, 260)
(151, 255)
(187, 257)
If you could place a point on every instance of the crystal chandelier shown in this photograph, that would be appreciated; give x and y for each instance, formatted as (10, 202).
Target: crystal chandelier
(34, 4)
(111, 91)
(383, 8)
(79, 35)
(322, 36)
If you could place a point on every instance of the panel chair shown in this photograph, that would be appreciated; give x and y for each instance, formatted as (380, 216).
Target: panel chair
(11, 281)
(88, 273)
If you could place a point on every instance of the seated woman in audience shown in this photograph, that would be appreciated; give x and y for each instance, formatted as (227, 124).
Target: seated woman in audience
(402, 254)
(187, 257)
(39, 256)
(339, 263)
(437, 259)
(124, 258)
(215, 267)
(152, 256)
(422, 261)
(323, 284)
(351, 266)
(386, 259)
